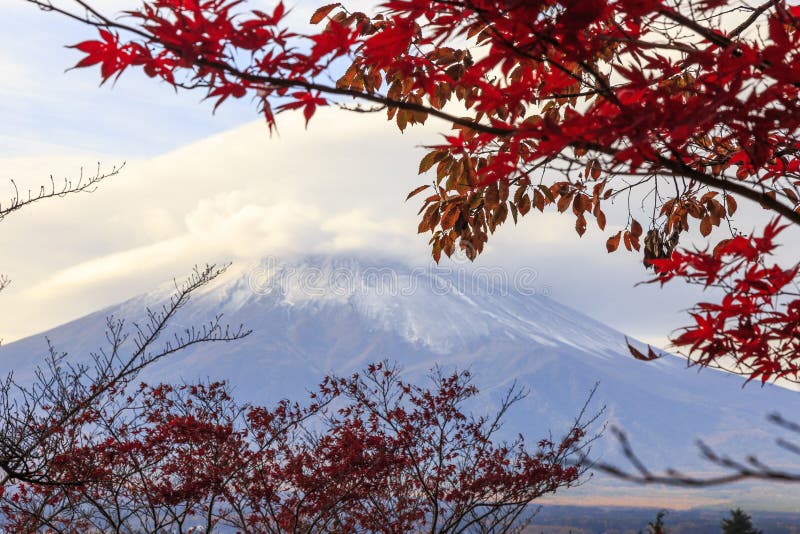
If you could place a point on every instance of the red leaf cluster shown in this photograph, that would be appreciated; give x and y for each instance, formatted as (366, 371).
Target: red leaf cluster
(369, 453)
(755, 327)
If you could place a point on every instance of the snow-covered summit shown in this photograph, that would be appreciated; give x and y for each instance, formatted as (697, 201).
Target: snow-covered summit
(441, 308)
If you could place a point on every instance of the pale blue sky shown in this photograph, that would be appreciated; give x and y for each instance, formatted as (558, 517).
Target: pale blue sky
(41, 104)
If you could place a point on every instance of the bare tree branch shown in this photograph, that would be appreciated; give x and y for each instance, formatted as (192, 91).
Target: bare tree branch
(83, 184)
(64, 391)
(749, 468)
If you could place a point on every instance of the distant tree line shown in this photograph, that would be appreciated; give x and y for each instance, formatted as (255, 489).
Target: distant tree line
(738, 522)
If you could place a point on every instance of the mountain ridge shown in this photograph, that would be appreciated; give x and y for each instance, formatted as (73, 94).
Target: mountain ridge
(316, 315)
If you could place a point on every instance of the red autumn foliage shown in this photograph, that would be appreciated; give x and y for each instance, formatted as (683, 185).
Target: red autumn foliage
(568, 104)
(369, 453)
(755, 324)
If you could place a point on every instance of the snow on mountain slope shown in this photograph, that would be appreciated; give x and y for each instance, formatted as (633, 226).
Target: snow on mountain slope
(316, 315)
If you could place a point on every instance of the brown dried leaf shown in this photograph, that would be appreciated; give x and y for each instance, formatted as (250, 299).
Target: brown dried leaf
(417, 191)
(538, 200)
(582, 203)
(595, 170)
(323, 12)
(431, 159)
(402, 119)
(430, 219)
(708, 196)
(563, 203)
(601, 220)
(636, 353)
(525, 204)
(491, 196)
(613, 242)
(450, 216)
(500, 214)
(731, 202)
(719, 245)
(547, 193)
(436, 252)
(503, 190)
(705, 226)
(580, 224)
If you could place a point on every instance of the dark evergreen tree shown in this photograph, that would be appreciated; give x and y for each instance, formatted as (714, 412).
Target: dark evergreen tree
(738, 523)
(657, 526)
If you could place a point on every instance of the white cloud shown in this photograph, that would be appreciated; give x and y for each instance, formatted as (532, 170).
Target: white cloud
(238, 195)
(233, 196)
(228, 228)
(114, 267)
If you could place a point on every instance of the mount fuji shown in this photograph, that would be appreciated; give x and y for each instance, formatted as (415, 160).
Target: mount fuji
(315, 315)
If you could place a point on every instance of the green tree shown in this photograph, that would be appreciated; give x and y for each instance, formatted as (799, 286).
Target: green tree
(738, 523)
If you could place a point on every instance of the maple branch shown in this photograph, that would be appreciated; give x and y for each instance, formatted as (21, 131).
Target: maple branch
(678, 167)
(605, 89)
(681, 168)
(680, 47)
(711, 36)
(752, 18)
(370, 97)
(105, 22)
(675, 166)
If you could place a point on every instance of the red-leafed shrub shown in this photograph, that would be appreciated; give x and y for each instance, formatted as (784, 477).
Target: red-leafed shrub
(369, 453)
